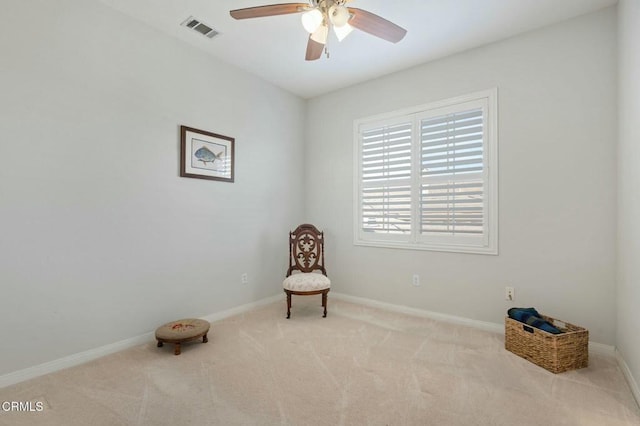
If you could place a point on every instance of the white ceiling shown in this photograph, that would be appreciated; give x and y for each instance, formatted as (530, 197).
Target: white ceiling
(274, 47)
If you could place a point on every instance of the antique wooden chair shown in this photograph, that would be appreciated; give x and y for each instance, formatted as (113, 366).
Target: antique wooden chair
(306, 274)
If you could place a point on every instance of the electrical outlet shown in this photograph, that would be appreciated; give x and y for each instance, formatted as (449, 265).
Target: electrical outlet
(416, 280)
(244, 278)
(509, 294)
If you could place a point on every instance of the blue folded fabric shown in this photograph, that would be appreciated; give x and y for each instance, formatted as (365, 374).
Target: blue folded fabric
(519, 313)
(531, 317)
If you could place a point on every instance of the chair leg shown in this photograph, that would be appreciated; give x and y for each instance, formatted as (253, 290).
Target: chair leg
(176, 349)
(324, 304)
(205, 339)
(288, 304)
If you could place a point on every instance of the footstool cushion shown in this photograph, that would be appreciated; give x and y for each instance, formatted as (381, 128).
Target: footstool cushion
(180, 331)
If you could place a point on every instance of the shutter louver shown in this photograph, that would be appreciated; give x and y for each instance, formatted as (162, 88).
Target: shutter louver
(386, 179)
(452, 208)
(452, 166)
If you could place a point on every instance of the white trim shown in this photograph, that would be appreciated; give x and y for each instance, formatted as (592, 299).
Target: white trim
(91, 354)
(594, 347)
(429, 105)
(83, 357)
(482, 325)
(452, 248)
(602, 349)
(72, 360)
(633, 384)
(243, 308)
(492, 170)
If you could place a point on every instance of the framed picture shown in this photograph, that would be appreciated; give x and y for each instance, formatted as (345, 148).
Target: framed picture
(206, 155)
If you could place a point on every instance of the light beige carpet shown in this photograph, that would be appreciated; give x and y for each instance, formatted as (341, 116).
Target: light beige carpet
(358, 366)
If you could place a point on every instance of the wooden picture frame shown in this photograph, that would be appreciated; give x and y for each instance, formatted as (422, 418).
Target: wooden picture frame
(206, 155)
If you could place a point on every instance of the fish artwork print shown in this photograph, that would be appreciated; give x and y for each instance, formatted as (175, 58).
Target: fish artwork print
(206, 156)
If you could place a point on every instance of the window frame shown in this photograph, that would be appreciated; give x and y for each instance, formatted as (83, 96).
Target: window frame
(416, 240)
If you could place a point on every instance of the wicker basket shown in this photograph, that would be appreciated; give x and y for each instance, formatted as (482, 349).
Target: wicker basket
(554, 352)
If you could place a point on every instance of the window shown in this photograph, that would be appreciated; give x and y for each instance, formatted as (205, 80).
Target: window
(427, 177)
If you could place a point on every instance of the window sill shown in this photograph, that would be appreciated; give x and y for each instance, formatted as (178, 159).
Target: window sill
(449, 248)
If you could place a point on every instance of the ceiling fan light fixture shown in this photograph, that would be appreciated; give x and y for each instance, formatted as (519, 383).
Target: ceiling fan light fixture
(321, 34)
(312, 20)
(343, 31)
(319, 15)
(339, 15)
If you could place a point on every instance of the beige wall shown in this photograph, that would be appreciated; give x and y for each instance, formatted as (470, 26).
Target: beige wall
(628, 342)
(557, 151)
(100, 239)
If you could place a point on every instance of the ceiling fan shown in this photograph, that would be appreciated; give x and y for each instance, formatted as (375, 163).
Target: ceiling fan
(319, 15)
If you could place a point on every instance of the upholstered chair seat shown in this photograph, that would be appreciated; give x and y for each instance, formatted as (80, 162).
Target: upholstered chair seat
(306, 282)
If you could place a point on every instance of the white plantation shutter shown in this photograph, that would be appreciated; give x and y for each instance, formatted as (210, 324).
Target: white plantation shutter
(427, 177)
(386, 179)
(452, 168)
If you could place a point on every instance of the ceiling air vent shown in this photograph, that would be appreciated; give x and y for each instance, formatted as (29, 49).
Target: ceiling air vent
(200, 27)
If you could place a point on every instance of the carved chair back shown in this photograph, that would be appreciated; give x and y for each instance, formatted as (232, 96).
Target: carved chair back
(306, 250)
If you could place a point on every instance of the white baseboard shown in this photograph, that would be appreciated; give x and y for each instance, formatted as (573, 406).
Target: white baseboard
(602, 349)
(86, 356)
(243, 308)
(481, 325)
(633, 384)
(72, 360)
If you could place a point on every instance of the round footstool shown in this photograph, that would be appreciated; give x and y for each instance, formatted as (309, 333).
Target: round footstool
(180, 331)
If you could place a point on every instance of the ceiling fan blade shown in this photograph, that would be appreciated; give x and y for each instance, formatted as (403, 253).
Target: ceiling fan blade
(314, 50)
(269, 10)
(376, 25)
